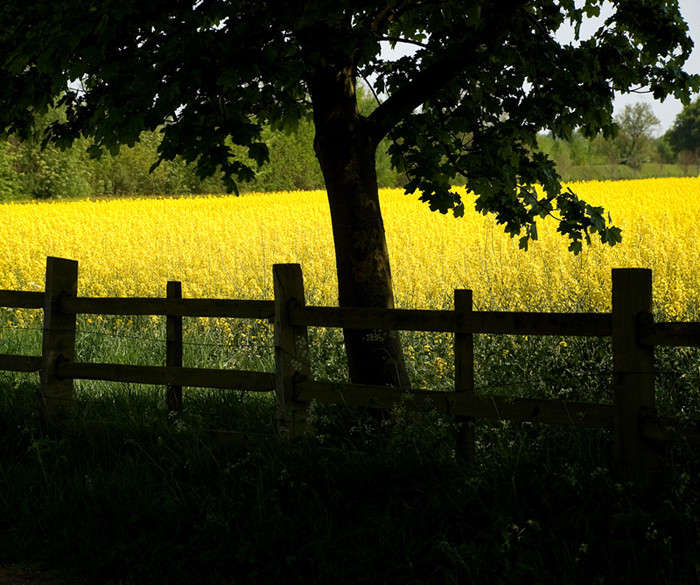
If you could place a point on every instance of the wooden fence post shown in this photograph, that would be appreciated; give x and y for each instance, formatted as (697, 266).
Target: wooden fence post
(58, 343)
(633, 374)
(464, 375)
(173, 347)
(292, 358)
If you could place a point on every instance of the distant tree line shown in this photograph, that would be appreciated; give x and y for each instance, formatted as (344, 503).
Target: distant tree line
(684, 137)
(30, 170)
(635, 151)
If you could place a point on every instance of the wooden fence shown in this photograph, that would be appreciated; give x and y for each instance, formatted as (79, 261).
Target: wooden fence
(632, 415)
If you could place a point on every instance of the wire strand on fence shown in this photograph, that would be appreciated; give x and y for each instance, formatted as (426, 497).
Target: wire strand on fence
(164, 340)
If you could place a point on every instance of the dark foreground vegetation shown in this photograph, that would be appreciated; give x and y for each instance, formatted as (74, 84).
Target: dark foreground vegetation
(148, 498)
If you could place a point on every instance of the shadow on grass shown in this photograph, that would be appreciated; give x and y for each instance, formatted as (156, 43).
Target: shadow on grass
(364, 502)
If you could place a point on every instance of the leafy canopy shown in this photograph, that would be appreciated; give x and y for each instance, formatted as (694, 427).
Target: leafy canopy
(484, 77)
(684, 135)
(636, 124)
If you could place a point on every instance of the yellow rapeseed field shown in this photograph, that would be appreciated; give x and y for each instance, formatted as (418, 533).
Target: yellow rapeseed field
(225, 246)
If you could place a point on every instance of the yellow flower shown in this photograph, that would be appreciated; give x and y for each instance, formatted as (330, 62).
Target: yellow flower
(225, 246)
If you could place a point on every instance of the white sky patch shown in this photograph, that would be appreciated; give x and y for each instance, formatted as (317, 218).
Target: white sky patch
(665, 111)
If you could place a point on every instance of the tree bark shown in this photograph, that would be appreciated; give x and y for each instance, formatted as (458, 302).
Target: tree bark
(345, 145)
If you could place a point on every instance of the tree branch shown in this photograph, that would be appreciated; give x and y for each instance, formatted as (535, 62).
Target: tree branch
(394, 10)
(422, 87)
(384, 16)
(406, 41)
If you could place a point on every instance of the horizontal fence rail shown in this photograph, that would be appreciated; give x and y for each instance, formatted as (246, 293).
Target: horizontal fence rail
(19, 363)
(238, 309)
(489, 322)
(630, 325)
(164, 375)
(456, 403)
(21, 299)
(669, 334)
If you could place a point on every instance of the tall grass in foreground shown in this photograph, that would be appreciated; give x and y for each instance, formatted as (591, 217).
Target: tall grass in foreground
(147, 500)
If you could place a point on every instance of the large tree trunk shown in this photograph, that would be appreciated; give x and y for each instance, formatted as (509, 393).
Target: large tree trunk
(346, 147)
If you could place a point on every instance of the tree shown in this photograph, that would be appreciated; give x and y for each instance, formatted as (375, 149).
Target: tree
(127, 173)
(684, 135)
(47, 172)
(10, 184)
(634, 139)
(292, 163)
(483, 78)
(576, 151)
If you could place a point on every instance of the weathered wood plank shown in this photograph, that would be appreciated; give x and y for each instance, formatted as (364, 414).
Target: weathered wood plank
(492, 322)
(173, 347)
(667, 429)
(230, 308)
(58, 343)
(633, 373)
(460, 404)
(20, 363)
(292, 356)
(673, 334)
(17, 299)
(163, 375)
(464, 376)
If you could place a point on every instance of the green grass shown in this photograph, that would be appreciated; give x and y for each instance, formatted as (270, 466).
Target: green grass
(149, 499)
(606, 172)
